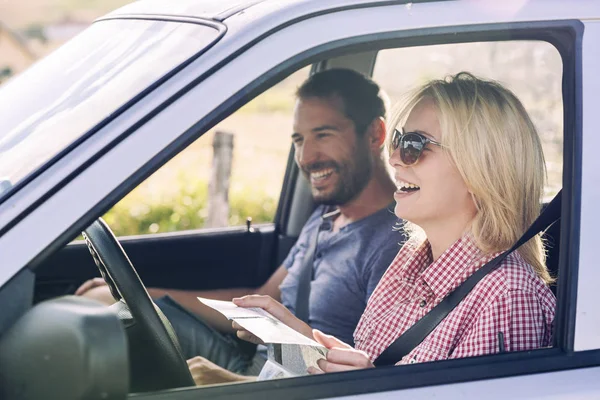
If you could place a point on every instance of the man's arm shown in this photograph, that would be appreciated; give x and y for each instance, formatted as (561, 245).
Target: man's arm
(97, 290)
(188, 299)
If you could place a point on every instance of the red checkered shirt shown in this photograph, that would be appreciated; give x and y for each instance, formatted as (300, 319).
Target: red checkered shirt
(512, 300)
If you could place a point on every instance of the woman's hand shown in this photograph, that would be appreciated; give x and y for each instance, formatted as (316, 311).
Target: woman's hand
(274, 308)
(340, 357)
(205, 372)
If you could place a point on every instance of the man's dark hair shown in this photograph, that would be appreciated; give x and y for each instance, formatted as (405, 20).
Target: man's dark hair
(361, 98)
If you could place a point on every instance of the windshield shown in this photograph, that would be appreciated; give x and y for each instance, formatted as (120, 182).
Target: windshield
(59, 99)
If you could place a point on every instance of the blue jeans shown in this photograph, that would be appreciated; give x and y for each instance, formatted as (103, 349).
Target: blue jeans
(197, 338)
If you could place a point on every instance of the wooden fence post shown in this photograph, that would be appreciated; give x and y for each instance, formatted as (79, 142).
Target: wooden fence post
(218, 187)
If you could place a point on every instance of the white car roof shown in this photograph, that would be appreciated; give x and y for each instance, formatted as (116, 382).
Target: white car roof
(262, 15)
(211, 9)
(220, 10)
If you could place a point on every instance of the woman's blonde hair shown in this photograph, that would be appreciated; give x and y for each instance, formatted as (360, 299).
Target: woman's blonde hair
(496, 149)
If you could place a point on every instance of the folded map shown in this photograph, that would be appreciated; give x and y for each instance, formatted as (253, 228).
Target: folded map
(296, 352)
(260, 323)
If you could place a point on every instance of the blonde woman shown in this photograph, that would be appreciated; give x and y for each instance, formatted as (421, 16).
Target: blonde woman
(470, 170)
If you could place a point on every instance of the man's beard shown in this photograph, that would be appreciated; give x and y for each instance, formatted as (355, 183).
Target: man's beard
(353, 176)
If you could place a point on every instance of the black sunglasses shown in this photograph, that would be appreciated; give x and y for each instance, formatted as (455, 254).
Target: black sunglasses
(411, 145)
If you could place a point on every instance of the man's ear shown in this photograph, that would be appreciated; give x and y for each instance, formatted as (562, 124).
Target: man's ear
(377, 133)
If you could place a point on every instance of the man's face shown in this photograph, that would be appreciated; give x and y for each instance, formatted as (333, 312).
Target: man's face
(337, 163)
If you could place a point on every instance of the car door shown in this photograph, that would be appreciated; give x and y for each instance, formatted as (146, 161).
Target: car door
(327, 31)
(564, 371)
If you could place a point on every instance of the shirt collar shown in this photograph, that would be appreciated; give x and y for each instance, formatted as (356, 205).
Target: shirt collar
(419, 257)
(330, 213)
(453, 266)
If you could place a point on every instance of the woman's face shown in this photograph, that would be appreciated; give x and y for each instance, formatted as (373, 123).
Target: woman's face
(440, 199)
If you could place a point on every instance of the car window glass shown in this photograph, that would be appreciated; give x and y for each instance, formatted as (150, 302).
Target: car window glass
(83, 83)
(531, 69)
(232, 173)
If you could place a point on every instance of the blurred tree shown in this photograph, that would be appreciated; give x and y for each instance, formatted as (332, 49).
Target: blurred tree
(5, 74)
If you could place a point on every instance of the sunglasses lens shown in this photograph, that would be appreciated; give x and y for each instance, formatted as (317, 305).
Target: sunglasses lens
(411, 147)
(396, 139)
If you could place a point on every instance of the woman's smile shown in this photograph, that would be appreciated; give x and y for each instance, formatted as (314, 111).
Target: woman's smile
(404, 189)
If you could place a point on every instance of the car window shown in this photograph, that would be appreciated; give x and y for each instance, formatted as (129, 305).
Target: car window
(83, 83)
(232, 173)
(531, 69)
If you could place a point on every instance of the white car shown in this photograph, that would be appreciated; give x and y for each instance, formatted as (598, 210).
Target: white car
(86, 125)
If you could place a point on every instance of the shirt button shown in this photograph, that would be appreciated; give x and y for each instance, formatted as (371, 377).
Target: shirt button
(423, 303)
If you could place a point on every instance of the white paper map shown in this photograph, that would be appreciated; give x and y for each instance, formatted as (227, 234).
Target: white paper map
(260, 323)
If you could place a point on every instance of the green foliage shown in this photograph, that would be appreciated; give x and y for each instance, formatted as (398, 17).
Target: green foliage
(185, 208)
(250, 201)
(5, 72)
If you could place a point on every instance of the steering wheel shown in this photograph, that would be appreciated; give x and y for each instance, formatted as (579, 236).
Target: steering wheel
(155, 357)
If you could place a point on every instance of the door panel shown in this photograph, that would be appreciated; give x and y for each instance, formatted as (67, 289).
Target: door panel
(207, 259)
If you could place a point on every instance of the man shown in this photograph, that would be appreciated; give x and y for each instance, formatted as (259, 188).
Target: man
(339, 132)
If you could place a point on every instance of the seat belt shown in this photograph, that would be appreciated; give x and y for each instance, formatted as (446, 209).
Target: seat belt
(414, 335)
(306, 271)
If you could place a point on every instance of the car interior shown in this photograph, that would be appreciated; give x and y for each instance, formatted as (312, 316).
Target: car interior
(201, 258)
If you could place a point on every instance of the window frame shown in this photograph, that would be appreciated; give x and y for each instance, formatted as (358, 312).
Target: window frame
(566, 37)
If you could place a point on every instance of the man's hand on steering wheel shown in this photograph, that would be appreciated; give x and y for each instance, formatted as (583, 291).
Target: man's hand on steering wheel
(88, 285)
(154, 350)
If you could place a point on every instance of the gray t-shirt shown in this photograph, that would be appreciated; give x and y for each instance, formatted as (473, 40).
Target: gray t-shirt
(348, 265)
